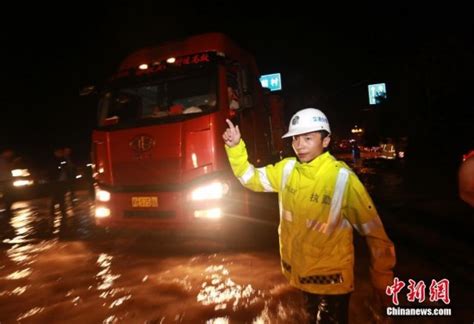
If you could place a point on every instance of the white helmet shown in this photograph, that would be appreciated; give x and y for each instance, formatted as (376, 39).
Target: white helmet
(307, 120)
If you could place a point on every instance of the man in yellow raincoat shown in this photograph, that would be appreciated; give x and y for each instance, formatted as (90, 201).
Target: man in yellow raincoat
(320, 199)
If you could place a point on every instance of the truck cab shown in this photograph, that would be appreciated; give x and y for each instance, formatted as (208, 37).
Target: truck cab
(158, 154)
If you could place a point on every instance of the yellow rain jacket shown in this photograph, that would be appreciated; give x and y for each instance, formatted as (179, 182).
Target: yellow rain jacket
(320, 202)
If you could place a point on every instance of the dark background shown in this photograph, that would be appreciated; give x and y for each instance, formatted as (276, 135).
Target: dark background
(326, 57)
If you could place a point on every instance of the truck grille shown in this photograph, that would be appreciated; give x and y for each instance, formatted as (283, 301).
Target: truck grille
(149, 214)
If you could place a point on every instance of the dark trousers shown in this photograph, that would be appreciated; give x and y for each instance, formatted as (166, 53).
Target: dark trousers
(58, 193)
(7, 202)
(327, 308)
(5, 197)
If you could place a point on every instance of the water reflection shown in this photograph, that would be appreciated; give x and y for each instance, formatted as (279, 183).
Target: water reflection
(219, 320)
(18, 233)
(21, 223)
(119, 301)
(20, 274)
(31, 312)
(114, 279)
(15, 292)
(33, 260)
(105, 276)
(22, 255)
(220, 290)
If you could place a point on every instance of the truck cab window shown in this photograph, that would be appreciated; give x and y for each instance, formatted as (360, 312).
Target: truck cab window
(248, 80)
(233, 89)
(186, 94)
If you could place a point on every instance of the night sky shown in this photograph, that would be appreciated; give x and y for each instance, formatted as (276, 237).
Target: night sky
(327, 59)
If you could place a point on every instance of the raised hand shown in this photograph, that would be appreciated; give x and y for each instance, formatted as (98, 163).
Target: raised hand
(231, 135)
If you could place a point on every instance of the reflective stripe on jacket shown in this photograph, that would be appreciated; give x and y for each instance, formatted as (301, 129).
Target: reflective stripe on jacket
(320, 202)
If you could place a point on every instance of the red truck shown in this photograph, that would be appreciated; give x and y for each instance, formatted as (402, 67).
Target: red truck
(158, 151)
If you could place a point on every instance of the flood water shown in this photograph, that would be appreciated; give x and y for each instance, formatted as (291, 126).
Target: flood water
(55, 270)
(71, 273)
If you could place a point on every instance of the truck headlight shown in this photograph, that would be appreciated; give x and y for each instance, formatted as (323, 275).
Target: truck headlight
(102, 195)
(102, 212)
(23, 183)
(214, 190)
(20, 173)
(213, 213)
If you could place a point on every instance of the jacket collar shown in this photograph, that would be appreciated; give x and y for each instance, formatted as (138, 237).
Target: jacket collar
(317, 162)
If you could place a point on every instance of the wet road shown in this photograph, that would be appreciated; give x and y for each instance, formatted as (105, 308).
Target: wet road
(58, 270)
(55, 270)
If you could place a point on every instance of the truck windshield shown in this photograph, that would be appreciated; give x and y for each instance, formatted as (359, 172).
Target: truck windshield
(186, 95)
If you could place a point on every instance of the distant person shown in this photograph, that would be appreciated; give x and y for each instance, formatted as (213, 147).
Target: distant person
(233, 97)
(355, 152)
(321, 200)
(466, 179)
(71, 171)
(58, 181)
(89, 176)
(158, 111)
(6, 178)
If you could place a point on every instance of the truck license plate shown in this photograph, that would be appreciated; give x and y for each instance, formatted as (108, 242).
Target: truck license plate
(144, 201)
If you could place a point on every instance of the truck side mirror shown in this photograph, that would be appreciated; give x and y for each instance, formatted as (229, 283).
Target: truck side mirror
(88, 90)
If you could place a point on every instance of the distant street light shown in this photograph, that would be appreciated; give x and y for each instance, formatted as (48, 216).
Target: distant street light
(357, 130)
